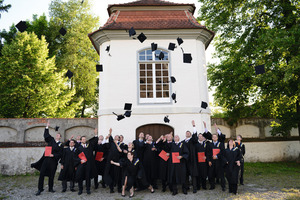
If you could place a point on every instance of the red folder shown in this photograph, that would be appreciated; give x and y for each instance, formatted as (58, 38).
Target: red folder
(99, 156)
(48, 151)
(216, 152)
(82, 156)
(201, 156)
(163, 155)
(174, 157)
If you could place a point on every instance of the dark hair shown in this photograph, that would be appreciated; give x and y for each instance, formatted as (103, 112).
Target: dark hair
(59, 134)
(240, 136)
(82, 137)
(234, 145)
(130, 152)
(73, 140)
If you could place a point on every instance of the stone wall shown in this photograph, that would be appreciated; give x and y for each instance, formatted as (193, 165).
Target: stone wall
(21, 141)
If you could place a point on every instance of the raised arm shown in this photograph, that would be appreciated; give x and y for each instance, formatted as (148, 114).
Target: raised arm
(48, 138)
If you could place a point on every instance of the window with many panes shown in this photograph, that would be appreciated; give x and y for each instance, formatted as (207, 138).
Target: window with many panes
(154, 86)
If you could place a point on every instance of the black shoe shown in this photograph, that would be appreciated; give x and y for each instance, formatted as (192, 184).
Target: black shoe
(123, 195)
(51, 190)
(38, 193)
(164, 189)
(88, 192)
(79, 192)
(64, 190)
(174, 192)
(184, 191)
(72, 190)
(223, 189)
(211, 188)
(130, 196)
(194, 191)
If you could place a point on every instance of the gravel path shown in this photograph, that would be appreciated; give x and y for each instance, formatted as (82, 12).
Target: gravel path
(24, 187)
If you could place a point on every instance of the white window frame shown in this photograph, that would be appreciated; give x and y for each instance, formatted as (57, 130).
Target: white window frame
(154, 99)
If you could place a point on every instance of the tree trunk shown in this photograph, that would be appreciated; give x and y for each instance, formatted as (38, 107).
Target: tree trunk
(83, 109)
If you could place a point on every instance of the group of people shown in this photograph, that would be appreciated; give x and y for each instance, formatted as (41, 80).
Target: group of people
(138, 165)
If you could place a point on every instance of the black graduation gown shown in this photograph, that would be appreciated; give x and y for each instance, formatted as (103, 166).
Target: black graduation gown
(112, 172)
(139, 148)
(49, 164)
(177, 171)
(150, 162)
(202, 167)
(87, 169)
(217, 164)
(163, 165)
(232, 169)
(191, 164)
(69, 161)
(100, 165)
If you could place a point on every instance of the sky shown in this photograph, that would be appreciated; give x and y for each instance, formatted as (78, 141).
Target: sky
(25, 9)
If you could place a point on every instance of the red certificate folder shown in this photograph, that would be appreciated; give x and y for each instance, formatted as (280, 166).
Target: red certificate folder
(48, 151)
(82, 156)
(216, 152)
(99, 156)
(201, 156)
(174, 157)
(163, 155)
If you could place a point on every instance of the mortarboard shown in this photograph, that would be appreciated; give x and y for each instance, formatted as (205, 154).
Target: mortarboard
(56, 128)
(62, 31)
(131, 32)
(179, 40)
(21, 26)
(161, 56)
(153, 46)
(99, 68)
(120, 117)
(127, 113)
(172, 46)
(69, 74)
(166, 119)
(142, 37)
(260, 69)
(187, 58)
(174, 97)
(204, 104)
(173, 79)
(127, 106)
(107, 48)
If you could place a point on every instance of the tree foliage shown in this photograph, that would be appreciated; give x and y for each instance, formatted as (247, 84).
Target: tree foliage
(4, 8)
(30, 86)
(251, 33)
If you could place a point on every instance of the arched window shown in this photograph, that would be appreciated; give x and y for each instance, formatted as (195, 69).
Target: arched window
(154, 86)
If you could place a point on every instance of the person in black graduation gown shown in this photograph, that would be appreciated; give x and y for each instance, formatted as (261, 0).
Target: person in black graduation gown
(164, 144)
(232, 161)
(242, 148)
(112, 172)
(48, 165)
(68, 162)
(191, 164)
(139, 146)
(86, 170)
(216, 170)
(177, 171)
(102, 146)
(132, 170)
(123, 147)
(150, 161)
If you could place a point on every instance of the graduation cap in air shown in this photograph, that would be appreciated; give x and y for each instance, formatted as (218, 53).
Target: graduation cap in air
(69, 74)
(119, 117)
(127, 113)
(204, 104)
(21, 26)
(82, 1)
(99, 68)
(166, 119)
(107, 48)
(187, 58)
(131, 32)
(207, 135)
(142, 37)
(161, 56)
(173, 79)
(179, 40)
(127, 106)
(62, 31)
(174, 97)
(260, 69)
(56, 128)
(153, 46)
(172, 46)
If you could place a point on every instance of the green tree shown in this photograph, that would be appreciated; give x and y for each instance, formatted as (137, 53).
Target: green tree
(30, 85)
(4, 8)
(251, 33)
(74, 50)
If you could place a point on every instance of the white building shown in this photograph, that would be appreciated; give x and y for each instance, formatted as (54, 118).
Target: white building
(132, 73)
